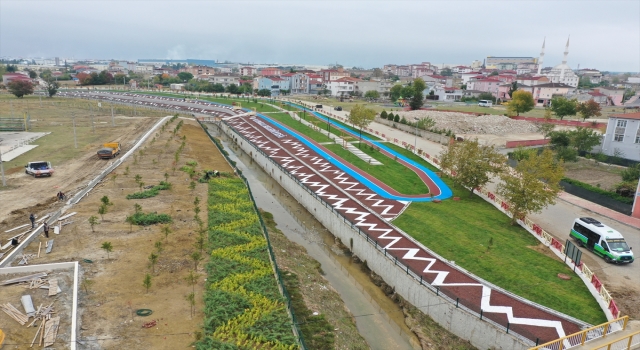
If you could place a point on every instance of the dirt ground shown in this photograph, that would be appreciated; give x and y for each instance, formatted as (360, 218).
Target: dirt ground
(588, 171)
(19, 336)
(115, 289)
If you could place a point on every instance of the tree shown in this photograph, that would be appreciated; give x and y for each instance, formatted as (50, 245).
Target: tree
(533, 186)
(361, 117)
(487, 96)
(372, 95)
(395, 92)
(447, 72)
(233, 89)
(93, 221)
(51, 87)
(153, 260)
(377, 73)
(107, 248)
(166, 230)
(102, 210)
(196, 257)
(513, 88)
(521, 102)
(545, 128)
(147, 282)
(417, 100)
(562, 107)
(20, 88)
(589, 109)
(407, 92)
(33, 74)
(264, 92)
(560, 138)
(383, 114)
(473, 164)
(185, 76)
(584, 139)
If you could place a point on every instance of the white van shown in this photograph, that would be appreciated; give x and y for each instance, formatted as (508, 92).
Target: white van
(485, 103)
(602, 240)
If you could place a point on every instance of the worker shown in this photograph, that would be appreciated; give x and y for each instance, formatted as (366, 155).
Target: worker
(33, 220)
(46, 229)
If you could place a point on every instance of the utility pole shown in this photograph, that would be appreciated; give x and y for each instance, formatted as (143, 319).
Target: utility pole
(75, 141)
(113, 122)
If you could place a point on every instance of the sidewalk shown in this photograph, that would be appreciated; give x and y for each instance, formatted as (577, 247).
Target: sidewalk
(632, 327)
(596, 208)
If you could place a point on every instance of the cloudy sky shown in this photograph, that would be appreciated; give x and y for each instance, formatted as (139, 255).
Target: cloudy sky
(604, 34)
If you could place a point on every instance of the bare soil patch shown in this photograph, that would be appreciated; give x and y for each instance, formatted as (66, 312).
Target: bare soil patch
(596, 174)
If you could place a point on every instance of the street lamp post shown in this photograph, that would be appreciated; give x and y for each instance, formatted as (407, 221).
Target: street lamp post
(415, 138)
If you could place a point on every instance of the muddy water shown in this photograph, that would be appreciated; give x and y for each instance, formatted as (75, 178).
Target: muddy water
(379, 320)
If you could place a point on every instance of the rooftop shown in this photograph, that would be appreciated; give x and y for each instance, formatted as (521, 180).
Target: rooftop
(635, 116)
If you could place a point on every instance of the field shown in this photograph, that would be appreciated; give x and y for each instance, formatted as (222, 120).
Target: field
(596, 174)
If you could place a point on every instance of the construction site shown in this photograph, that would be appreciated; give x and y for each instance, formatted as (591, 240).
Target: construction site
(46, 276)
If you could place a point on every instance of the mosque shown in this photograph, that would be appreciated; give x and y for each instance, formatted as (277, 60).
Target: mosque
(561, 73)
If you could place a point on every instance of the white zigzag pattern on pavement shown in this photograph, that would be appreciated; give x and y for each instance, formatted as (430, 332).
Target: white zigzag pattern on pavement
(361, 221)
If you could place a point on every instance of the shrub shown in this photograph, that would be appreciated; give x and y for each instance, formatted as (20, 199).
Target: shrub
(396, 118)
(152, 192)
(631, 173)
(568, 154)
(146, 219)
(383, 115)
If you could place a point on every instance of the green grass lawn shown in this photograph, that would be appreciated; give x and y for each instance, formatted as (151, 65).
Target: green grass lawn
(462, 231)
(285, 119)
(392, 173)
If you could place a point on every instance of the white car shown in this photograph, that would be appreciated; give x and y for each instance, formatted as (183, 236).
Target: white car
(39, 168)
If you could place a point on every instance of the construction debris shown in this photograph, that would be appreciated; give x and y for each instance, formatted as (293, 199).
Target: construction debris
(66, 216)
(149, 324)
(14, 313)
(15, 228)
(53, 286)
(49, 246)
(24, 258)
(27, 304)
(51, 331)
(35, 283)
(24, 278)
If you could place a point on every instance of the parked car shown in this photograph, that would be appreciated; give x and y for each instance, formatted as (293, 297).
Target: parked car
(39, 168)
(338, 108)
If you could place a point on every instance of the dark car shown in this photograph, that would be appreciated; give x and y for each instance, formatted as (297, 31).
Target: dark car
(338, 108)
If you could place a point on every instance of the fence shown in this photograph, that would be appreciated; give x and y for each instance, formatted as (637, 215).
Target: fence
(526, 143)
(13, 124)
(591, 196)
(586, 335)
(628, 342)
(274, 265)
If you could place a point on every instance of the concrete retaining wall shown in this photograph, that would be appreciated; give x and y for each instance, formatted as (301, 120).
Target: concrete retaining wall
(459, 321)
(441, 139)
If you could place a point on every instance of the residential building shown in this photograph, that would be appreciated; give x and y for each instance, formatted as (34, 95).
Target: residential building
(176, 86)
(448, 94)
(595, 95)
(270, 71)
(543, 93)
(485, 84)
(468, 75)
(298, 82)
(225, 79)
(622, 137)
(329, 75)
(381, 86)
(342, 87)
(199, 70)
(594, 75)
(273, 84)
(613, 94)
(495, 62)
(531, 80)
(461, 69)
(248, 71)
(9, 77)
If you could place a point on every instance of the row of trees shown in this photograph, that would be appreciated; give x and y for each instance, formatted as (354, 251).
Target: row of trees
(530, 188)
(522, 102)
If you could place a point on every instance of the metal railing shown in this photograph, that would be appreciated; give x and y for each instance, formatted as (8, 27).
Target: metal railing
(625, 343)
(586, 335)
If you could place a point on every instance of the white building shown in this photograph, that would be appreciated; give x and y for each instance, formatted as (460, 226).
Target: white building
(343, 86)
(623, 136)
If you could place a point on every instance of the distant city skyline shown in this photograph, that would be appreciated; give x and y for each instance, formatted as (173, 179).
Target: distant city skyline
(604, 34)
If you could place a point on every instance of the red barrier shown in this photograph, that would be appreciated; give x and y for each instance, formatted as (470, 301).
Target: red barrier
(557, 244)
(614, 308)
(491, 196)
(525, 143)
(596, 282)
(537, 229)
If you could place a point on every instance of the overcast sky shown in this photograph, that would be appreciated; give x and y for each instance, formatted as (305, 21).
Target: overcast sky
(604, 34)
